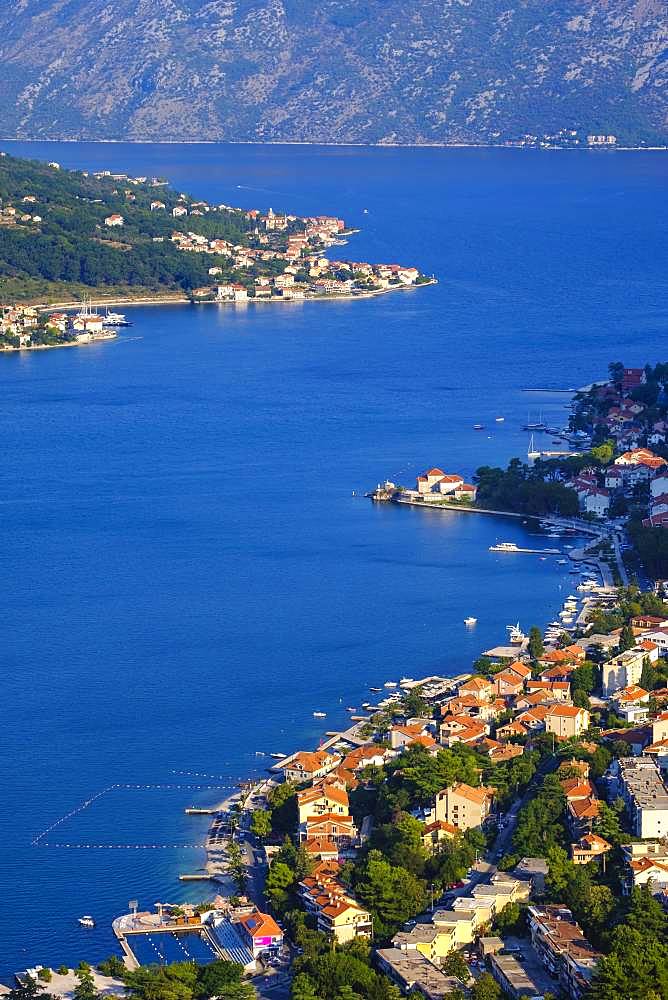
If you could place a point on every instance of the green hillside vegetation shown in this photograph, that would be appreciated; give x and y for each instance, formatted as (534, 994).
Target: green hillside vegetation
(71, 251)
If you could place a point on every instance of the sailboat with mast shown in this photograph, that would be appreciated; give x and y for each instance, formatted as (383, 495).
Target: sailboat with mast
(532, 454)
(538, 425)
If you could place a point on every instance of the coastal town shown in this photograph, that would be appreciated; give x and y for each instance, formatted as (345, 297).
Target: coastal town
(24, 328)
(500, 833)
(72, 235)
(612, 484)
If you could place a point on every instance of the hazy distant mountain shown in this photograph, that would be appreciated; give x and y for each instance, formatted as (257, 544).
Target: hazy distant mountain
(334, 70)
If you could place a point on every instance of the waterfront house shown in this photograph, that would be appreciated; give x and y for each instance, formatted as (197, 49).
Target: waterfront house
(463, 806)
(260, 934)
(306, 766)
(567, 721)
(597, 501)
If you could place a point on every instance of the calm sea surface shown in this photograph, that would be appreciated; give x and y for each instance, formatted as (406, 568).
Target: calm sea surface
(186, 573)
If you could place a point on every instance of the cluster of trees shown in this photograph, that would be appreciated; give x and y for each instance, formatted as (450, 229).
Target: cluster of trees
(523, 489)
(289, 866)
(636, 967)
(188, 981)
(178, 981)
(651, 545)
(342, 973)
(540, 824)
(71, 243)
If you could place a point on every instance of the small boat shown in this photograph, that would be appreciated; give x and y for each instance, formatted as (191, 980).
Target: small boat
(87, 921)
(478, 427)
(390, 684)
(278, 756)
(260, 753)
(470, 620)
(350, 708)
(562, 562)
(365, 211)
(375, 690)
(320, 715)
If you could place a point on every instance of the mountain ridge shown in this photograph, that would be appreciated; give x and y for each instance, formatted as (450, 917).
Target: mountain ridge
(454, 71)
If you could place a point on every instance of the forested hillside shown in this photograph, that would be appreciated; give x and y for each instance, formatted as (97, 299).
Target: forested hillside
(52, 229)
(341, 70)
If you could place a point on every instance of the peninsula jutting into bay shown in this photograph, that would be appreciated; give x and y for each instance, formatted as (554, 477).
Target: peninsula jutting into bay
(66, 235)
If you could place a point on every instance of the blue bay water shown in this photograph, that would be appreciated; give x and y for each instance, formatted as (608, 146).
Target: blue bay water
(186, 573)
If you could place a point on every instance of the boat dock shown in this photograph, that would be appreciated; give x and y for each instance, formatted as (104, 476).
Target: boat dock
(531, 552)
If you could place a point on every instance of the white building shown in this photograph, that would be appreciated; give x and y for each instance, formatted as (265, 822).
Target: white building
(638, 781)
(621, 671)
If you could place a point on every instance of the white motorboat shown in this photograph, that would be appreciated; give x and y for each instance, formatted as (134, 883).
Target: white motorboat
(115, 319)
(87, 921)
(470, 620)
(320, 715)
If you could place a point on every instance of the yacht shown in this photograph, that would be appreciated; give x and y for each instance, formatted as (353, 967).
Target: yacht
(504, 547)
(375, 690)
(278, 756)
(390, 684)
(515, 634)
(500, 420)
(87, 921)
(478, 427)
(470, 620)
(115, 319)
(320, 715)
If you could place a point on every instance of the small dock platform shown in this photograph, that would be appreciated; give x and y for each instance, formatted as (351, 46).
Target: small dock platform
(196, 811)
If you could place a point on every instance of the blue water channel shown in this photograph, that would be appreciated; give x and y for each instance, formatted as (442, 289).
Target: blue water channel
(189, 566)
